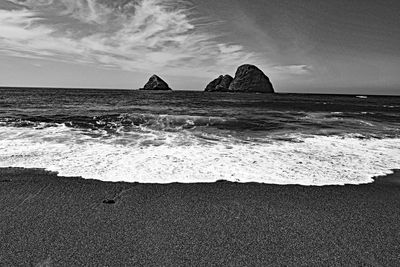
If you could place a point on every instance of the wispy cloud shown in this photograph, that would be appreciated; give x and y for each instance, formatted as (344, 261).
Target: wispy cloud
(136, 35)
(292, 69)
(143, 35)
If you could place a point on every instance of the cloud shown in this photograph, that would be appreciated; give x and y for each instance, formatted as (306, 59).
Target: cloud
(138, 35)
(88, 11)
(292, 69)
(32, 2)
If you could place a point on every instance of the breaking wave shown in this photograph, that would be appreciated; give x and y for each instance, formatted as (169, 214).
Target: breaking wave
(154, 156)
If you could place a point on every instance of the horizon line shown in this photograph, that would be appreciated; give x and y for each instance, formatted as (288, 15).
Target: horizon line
(191, 90)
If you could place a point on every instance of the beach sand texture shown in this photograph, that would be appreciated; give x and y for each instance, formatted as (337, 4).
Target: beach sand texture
(54, 221)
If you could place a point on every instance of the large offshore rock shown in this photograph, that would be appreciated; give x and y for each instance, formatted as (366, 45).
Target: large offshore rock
(249, 78)
(156, 83)
(221, 84)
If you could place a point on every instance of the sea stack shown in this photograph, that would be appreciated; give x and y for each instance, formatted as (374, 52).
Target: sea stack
(250, 79)
(156, 83)
(221, 84)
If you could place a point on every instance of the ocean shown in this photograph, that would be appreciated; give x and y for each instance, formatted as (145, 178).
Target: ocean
(197, 137)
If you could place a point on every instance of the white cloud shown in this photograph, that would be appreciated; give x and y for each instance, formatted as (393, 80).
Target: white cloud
(138, 35)
(15, 25)
(32, 2)
(23, 31)
(292, 69)
(89, 11)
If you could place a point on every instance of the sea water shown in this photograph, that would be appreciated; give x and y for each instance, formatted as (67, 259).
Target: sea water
(191, 137)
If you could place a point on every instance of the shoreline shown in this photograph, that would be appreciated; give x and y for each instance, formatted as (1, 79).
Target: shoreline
(47, 219)
(393, 177)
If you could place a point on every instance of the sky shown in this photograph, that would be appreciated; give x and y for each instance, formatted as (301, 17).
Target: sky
(304, 46)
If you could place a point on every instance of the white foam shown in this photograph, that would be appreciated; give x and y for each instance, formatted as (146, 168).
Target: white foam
(317, 160)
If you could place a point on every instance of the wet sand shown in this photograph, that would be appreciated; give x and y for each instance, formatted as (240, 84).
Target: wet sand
(47, 220)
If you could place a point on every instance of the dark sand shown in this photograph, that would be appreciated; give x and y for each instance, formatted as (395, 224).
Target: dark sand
(55, 221)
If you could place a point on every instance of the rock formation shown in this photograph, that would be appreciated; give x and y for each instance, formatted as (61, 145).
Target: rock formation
(249, 78)
(156, 83)
(221, 84)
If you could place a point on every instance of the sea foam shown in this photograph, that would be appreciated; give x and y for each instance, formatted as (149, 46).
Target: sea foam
(311, 160)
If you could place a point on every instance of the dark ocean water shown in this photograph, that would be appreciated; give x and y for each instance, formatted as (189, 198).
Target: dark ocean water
(200, 137)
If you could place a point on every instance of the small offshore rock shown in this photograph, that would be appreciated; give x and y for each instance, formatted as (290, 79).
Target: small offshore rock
(156, 83)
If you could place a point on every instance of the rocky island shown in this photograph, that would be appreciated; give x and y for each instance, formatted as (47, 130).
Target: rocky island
(221, 84)
(248, 78)
(155, 83)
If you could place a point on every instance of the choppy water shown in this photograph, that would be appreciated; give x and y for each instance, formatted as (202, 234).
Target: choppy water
(136, 136)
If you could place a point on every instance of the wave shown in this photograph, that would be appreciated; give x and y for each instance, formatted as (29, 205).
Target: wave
(115, 121)
(166, 157)
(373, 123)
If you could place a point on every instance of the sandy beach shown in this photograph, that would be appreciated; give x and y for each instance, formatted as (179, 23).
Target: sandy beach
(54, 221)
